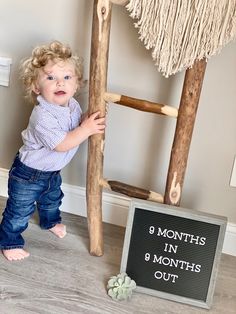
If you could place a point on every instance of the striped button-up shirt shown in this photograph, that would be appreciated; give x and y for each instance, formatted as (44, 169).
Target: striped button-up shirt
(48, 126)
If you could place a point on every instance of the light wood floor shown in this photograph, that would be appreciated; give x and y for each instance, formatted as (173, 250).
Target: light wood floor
(60, 277)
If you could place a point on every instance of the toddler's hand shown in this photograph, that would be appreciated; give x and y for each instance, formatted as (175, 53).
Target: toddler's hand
(92, 124)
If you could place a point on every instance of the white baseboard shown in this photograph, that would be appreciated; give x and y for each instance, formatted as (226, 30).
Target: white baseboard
(3, 182)
(115, 208)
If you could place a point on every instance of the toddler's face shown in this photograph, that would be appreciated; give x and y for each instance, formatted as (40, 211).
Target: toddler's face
(57, 82)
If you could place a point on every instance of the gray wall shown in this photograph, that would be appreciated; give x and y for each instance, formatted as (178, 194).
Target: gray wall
(137, 144)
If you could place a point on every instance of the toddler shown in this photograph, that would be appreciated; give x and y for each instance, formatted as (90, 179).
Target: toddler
(51, 77)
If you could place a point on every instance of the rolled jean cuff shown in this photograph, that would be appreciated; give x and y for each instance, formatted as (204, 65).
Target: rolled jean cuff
(9, 247)
(50, 226)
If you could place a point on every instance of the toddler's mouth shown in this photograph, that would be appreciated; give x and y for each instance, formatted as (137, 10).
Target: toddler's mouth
(60, 92)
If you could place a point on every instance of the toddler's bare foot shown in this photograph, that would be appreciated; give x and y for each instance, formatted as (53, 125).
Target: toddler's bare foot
(59, 230)
(15, 254)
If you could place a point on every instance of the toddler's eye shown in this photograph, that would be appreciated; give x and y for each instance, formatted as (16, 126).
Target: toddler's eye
(67, 77)
(50, 77)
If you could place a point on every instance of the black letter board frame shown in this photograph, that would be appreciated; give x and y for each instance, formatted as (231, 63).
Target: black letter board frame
(173, 252)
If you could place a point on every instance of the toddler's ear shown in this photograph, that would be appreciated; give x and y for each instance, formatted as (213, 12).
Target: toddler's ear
(35, 89)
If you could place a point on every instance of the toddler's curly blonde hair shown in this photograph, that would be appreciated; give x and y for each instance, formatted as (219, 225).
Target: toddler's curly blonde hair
(41, 55)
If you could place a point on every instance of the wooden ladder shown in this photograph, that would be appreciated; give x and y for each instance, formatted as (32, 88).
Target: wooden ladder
(99, 96)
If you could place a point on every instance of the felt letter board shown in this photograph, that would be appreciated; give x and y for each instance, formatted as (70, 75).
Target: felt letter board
(173, 252)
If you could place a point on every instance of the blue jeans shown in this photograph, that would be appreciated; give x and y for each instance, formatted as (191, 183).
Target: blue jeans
(29, 188)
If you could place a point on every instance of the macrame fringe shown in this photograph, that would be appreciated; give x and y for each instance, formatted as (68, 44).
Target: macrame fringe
(182, 31)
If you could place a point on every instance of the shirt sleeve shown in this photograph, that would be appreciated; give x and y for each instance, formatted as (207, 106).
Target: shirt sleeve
(48, 131)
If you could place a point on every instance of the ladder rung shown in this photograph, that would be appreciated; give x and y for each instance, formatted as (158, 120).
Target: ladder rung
(131, 191)
(142, 105)
(120, 2)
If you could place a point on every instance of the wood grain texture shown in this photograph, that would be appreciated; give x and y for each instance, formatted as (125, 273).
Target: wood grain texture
(183, 132)
(97, 87)
(132, 191)
(61, 277)
(142, 105)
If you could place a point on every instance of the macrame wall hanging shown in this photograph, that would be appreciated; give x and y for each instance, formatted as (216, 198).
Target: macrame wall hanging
(182, 31)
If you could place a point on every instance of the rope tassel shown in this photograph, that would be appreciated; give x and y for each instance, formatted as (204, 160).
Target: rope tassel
(182, 31)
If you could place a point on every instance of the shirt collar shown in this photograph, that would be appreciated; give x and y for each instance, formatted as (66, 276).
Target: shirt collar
(57, 110)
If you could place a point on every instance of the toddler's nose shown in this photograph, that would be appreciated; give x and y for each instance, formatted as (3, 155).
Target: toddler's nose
(60, 82)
